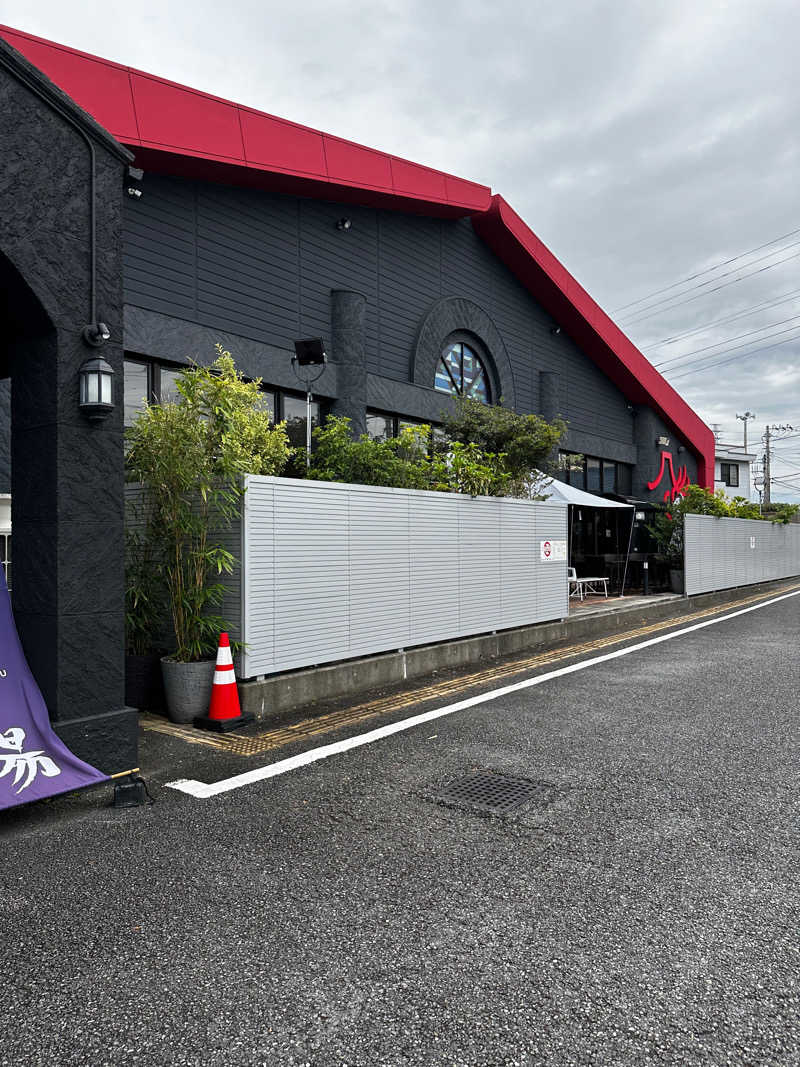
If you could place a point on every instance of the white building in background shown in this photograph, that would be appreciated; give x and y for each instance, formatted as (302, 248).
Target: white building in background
(732, 470)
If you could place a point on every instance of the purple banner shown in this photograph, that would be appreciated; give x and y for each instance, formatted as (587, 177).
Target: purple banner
(34, 763)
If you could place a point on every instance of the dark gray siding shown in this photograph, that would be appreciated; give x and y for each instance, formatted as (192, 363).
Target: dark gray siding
(262, 266)
(410, 280)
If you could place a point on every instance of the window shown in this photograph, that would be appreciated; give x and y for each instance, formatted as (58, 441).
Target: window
(168, 386)
(592, 475)
(571, 469)
(729, 473)
(137, 389)
(157, 384)
(266, 402)
(462, 373)
(380, 426)
(293, 411)
(595, 475)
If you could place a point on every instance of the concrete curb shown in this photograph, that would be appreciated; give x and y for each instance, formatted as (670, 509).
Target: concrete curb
(278, 696)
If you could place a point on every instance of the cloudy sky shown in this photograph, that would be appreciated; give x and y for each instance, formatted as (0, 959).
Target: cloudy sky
(645, 142)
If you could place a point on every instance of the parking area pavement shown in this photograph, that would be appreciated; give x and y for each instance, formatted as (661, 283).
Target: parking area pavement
(641, 908)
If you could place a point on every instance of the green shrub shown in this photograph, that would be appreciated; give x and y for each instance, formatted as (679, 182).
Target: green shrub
(400, 461)
(406, 461)
(456, 463)
(527, 443)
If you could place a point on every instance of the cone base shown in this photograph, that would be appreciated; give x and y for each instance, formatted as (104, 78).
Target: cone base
(223, 726)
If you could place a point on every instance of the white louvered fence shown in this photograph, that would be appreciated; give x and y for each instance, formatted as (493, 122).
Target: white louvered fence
(332, 571)
(723, 553)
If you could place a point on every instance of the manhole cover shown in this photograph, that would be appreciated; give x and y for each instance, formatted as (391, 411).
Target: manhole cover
(495, 792)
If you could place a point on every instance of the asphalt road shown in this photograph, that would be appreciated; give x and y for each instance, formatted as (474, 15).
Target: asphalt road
(644, 910)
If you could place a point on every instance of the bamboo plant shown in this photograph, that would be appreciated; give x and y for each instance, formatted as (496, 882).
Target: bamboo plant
(190, 456)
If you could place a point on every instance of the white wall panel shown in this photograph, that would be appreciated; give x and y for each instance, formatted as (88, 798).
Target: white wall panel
(723, 553)
(334, 571)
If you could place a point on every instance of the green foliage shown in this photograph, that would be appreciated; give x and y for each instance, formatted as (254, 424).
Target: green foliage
(527, 442)
(400, 461)
(144, 591)
(406, 461)
(781, 514)
(466, 468)
(191, 456)
(667, 527)
(455, 463)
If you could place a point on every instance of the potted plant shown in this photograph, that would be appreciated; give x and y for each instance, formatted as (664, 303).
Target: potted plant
(667, 529)
(190, 457)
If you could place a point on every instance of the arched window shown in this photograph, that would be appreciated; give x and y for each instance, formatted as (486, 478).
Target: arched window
(461, 372)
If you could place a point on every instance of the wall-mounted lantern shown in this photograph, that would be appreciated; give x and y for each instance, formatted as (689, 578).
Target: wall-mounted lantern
(96, 388)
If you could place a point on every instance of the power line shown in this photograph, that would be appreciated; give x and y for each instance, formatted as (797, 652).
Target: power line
(722, 322)
(708, 292)
(708, 270)
(721, 344)
(684, 372)
(747, 344)
(785, 462)
(710, 281)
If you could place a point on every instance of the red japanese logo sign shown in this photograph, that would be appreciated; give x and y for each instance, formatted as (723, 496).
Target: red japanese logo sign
(678, 482)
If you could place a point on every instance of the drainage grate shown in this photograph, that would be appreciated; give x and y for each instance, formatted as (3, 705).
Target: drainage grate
(495, 792)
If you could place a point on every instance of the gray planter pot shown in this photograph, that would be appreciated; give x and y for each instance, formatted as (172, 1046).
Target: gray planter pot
(188, 688)
(676, 580)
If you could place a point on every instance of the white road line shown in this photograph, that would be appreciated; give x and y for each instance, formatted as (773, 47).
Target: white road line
(203, 790)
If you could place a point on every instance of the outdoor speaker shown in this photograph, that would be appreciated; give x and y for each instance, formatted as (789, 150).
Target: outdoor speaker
(310, 352)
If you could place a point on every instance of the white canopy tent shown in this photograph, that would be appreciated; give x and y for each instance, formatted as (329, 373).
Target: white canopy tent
(568, 494)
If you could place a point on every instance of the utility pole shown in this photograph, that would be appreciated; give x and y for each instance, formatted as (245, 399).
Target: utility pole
(781, 428)
(744, 418)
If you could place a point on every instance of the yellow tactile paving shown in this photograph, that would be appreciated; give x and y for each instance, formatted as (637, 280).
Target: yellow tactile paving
(277, 737)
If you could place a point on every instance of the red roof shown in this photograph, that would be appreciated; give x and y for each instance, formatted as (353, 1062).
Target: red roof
(177, 130)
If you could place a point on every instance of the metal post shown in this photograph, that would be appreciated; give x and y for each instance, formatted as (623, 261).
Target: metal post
(627, 553)
(309, 353)
(308, 430)
(743, 419)
(767, 473)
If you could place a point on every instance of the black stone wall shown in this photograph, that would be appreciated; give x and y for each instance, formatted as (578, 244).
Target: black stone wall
(66, 473)
(5, 435)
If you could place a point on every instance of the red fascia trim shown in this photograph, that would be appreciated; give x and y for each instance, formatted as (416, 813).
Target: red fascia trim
(144, 111)
(155, 160)
(591, 329)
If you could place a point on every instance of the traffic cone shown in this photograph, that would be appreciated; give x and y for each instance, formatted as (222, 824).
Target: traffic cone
(224, 712)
